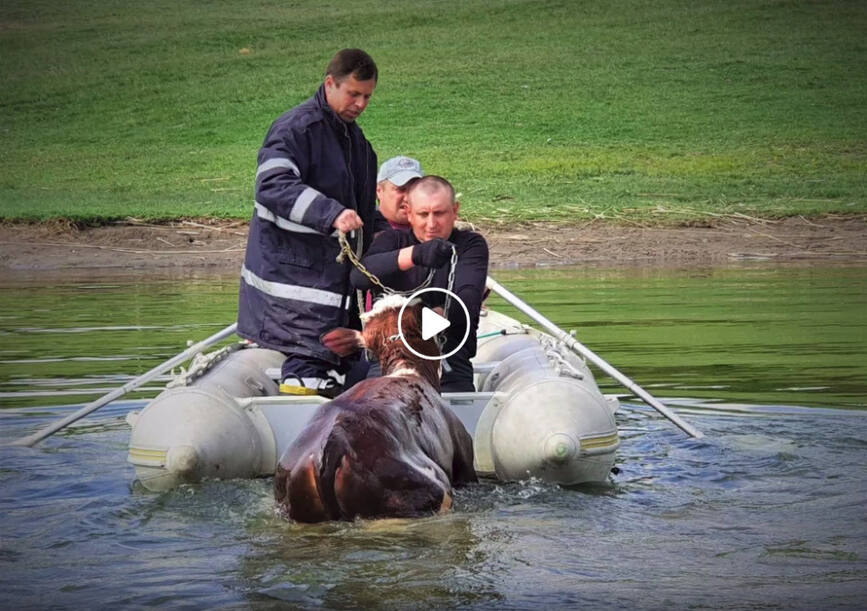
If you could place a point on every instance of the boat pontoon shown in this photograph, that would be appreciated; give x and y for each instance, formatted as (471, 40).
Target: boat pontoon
(538, 412)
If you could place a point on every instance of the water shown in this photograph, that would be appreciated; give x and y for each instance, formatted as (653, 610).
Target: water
(768, 511)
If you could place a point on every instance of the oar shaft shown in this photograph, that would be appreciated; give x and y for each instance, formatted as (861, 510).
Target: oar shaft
(593, 357)
(49, 430)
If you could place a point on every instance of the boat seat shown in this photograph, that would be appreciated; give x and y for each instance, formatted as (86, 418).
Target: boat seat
(486, 367)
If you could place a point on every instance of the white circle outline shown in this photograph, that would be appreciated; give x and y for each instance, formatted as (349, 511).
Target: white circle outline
(413, 350)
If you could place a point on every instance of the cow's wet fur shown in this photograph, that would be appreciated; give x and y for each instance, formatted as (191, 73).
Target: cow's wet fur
(386, 448)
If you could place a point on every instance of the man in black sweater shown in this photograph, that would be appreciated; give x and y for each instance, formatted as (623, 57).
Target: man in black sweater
(403, 259)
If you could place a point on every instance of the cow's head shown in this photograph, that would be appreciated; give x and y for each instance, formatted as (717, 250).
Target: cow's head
(381, 338)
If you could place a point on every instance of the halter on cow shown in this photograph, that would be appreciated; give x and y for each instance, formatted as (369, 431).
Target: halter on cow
(388, 446)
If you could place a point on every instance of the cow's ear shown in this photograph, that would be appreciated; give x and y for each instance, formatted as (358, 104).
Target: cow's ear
(342, 341)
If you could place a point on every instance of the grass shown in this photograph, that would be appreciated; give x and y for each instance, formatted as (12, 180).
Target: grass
(534, 109)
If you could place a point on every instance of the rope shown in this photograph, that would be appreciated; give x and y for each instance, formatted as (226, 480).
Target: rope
(201, 364)
(562, 366)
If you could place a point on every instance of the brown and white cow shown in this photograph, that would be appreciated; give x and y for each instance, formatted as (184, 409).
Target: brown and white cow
(387, 447)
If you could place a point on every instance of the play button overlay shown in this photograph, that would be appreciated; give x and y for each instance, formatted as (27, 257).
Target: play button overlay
(433, 324)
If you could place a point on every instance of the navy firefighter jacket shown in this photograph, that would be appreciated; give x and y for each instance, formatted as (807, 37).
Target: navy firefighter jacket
(312, 166)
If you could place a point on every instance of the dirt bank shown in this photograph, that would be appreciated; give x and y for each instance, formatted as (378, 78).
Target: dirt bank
(219, 245)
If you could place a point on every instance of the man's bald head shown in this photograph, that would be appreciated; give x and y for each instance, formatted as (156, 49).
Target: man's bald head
(432, 184)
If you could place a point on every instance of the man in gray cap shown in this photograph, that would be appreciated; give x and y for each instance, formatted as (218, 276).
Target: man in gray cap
(392, 184)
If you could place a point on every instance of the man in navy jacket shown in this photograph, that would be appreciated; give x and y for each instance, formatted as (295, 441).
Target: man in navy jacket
(316, 176)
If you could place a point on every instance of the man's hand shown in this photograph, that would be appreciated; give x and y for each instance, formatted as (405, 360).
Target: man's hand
(435, 253)
(347, 221)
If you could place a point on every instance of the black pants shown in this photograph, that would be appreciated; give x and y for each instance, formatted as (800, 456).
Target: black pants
(311, 367)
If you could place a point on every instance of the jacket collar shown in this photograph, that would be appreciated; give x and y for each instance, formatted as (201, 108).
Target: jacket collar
(327, 111)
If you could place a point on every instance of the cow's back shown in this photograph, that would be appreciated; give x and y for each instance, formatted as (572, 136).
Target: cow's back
(388, 447)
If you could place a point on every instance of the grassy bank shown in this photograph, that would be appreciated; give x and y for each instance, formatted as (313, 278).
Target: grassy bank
(535, 109)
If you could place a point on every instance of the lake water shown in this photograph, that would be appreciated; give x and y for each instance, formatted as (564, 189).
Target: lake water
(768, 511)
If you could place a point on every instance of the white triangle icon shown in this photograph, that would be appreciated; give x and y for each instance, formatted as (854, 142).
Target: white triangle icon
(432, 323)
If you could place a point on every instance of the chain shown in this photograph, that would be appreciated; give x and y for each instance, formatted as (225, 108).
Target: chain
(359, 294)
(453, 265)
(346, 251)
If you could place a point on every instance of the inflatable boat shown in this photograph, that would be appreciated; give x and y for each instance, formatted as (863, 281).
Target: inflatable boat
(538, 412)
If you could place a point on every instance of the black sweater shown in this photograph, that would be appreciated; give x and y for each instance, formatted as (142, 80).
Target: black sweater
(470, 275)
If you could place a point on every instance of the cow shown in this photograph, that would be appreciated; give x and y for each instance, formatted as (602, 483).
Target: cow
(388, 447)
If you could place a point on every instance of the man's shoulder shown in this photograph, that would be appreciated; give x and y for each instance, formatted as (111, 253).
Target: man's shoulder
(467, 238)
(396, 236)
(302, 117)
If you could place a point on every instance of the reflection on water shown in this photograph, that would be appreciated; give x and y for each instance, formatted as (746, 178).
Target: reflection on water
(767, 510)
(729, 336)
(779, 336)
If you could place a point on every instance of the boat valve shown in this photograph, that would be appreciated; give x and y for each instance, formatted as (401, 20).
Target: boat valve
(182, 459)
(560, 448)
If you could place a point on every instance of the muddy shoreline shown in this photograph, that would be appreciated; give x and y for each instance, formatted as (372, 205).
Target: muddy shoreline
(217, 245)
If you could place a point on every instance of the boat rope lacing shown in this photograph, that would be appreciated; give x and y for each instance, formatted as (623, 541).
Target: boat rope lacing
(201, 364)
(559, 355)
(562, 367)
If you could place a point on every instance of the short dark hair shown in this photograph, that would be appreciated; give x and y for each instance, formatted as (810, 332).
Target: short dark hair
(432, 183)
(353, 62)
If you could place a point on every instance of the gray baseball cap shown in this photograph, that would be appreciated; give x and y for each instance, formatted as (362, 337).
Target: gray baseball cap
(399, 170)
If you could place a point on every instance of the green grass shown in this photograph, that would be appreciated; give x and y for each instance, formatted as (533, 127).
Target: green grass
(534, 109)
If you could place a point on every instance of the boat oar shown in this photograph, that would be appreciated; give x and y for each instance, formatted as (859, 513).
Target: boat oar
(38, 436)
(592, 357)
